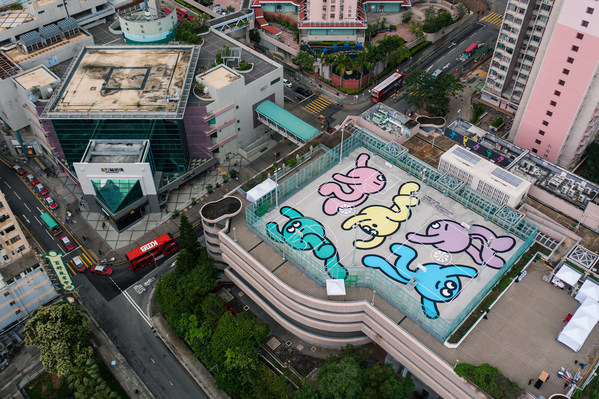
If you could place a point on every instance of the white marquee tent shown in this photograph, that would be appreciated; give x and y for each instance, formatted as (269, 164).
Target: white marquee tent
(580, 326)
(590, 289)
(568, 275)
(261, 190)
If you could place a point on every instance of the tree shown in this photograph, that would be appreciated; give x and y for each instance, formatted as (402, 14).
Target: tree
(188, 239)
(362, 62)
(255, 35)
(305, 61)
(61, 332)
(431, 94)
(381, 381)
(87, 382)
(340, 379)
(230, 9)
(591, 167)
(341, 64)
(187, 31)
(307, 391)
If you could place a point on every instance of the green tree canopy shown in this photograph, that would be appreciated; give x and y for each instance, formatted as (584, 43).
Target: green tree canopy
(187, 31)
(188, 239)
(426, 92)
(381, 381)
(340, 378)
(305, 61)
(87, 382)
(61, 332)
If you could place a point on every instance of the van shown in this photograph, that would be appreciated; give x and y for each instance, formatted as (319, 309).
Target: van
(437, 72)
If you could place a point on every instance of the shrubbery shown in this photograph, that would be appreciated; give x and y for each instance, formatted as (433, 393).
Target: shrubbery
(490, 380)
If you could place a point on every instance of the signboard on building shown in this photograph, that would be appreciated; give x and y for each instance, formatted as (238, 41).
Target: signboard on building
(61, 271)
(481, 150)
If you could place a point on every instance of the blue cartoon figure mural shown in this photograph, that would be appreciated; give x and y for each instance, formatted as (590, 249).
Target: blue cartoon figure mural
(306, 234)
(434, 283)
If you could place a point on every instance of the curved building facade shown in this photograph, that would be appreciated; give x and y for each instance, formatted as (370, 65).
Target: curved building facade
(147, 26)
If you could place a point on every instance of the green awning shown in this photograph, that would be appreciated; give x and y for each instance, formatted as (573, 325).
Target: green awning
(287, 121)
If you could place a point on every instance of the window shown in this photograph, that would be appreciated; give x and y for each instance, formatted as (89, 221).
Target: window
(561, 82)
(549, 113)
(324, 16)
(271, 83)
(332, 16)
(542, 132)
(566, 71)
(15, 239)
(324, 8)
(584, 23)
(590, 10)
(575, 48)
(534, 150)
(12, 303)
(545, 123)
(553, 103)
(557, 93)
(537, 141)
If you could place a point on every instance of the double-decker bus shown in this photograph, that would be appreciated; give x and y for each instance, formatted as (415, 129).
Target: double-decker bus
(183, 16)
(386, 87)
(51, 224)
(468, 52)
(151, 251)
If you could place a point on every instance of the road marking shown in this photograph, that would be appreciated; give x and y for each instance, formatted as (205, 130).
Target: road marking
(451, 45)
(493, 18)
(37, 220)
(49, 234)
(18, 196)
(171, 383)
(317, 105)
(429, 68)
(152, 360)
(446, 66)
(27, 207)
(7, 184)
(38, 208)
(135, 305)
(139, 288)
(25, 217)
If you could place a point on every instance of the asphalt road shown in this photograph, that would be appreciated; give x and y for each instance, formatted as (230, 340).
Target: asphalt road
(125, 319)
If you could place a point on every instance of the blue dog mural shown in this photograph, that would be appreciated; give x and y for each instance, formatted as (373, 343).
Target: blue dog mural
(435, 283)
(306, 234)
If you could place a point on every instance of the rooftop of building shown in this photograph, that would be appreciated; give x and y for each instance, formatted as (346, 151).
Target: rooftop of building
(8, 67)
(12, 18)
(219, 77)
(18, 266)
(126, 81)
(539, 172)
(215, 42)
(39, 76)
(121, 151)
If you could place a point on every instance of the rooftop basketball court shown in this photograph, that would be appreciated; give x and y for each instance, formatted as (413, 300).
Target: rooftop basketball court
(373, 220)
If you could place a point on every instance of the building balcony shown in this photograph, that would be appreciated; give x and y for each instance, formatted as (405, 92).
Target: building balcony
(217, 113)
(217, 128)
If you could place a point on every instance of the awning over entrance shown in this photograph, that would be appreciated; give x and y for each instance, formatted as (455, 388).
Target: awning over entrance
(285, 122)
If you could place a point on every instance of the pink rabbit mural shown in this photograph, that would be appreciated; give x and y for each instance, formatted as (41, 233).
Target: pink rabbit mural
(360, 182)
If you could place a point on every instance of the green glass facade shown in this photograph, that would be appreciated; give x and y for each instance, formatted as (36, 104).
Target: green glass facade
(118, 194)
(168, 145)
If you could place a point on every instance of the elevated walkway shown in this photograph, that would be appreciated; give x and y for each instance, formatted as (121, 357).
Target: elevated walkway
(285, 123)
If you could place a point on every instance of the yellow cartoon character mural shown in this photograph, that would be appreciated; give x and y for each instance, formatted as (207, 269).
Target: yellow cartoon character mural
(379, 222)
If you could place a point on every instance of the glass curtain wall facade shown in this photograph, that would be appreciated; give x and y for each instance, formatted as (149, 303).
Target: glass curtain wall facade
(168, 144)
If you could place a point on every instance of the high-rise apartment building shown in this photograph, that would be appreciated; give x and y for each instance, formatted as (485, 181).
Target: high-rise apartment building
(558, 113)
(517, 48)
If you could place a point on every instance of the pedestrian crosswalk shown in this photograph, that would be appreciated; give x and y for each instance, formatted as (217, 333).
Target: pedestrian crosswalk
(493, 18)
(317, 105)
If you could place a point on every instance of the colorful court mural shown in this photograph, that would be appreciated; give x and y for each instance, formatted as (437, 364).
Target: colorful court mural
(366, 216)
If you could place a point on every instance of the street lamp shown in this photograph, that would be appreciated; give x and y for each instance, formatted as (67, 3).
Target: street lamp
(341, 146)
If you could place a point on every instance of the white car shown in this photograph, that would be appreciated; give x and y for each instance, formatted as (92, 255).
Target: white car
(287, 83)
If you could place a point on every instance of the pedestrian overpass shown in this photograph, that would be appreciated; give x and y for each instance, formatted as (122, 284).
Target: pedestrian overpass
(285, 123)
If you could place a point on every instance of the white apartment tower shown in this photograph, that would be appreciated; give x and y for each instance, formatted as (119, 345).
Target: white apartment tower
(524, 24)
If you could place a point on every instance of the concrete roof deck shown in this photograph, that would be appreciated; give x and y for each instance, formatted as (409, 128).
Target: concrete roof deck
(519, 337)
(219, 77)
(39, 76)
(124, 79)
(214, 43)
(14, 18)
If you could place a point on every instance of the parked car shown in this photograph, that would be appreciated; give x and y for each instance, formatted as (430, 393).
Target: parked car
(101, 270)
(51, 204)
(67, 243)
(31, 178)
(79, 265)
(41, 189)
(303, 92)
(287, 83)
(18, 169)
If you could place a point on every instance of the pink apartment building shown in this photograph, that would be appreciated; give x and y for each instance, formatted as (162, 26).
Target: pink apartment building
(558, 113)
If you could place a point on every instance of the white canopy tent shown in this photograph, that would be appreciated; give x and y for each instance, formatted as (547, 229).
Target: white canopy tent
(261, 190)
(568, 275)
(335, 287)
(590, 289)
(580, 326)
